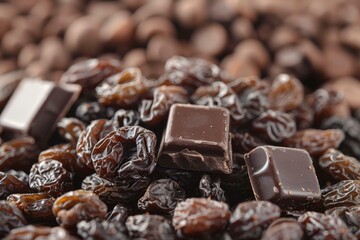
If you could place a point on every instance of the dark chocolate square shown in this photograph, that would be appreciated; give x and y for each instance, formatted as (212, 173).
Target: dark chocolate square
(197, 139)
(284, 176)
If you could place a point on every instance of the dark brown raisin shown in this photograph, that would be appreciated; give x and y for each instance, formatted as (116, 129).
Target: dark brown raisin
(35, 206)
(343, 194)
(148, 226)
(340, 166)
(127, 153)
(13, 182)
(200, 217)
(350, 216)
(70, 129)
(244, 142)
(274, 126)
(101, 230)
(321, 226)
(304, 116)
(119, 214)
(10, 218)
(122, 89)
(75, 206)
(240, 85)
(18, 154)
(39, 232)
(250, 219)
(161, 197)
(89, 111)
(315, 141)
(254, 102)
(156, 110)
(284, 228)
(50, 176)
(124, 117)
(210, 188)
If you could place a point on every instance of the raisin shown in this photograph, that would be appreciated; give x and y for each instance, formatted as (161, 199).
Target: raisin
(250, 219)
(39, 233)
(152, 227)
(161, 197)
(200, 217)
(75, 206)
(89, 73)
(113, 193)
(321, 226)
(18, 154)
(221, 95)
(315, 141)
(124, 117)
(119, 214)
(122, 89)
(89, 137)
(190, 72)
(34, 206)
(240, 85)
(124, 154)
(50, 176)
(340, 166)
(350, 216)
(210, 188)
(286, 93)
(244, 142)
(345, 193)
(89, 111)
(101, 230)
(254, 103)
(70, 129)
(10, 218)
(10, 183)
(156, 110)
(274, 126)
(304, 116)
(284, 228)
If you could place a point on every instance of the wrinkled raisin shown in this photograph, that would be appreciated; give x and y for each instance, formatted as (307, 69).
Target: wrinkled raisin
(101, 230)
(70, 129)
(340, 166)
(284, 228)
(315, 141)
(210, 188)
(18, 154)
(200, 217)
(345, 193)
(11, 182)
(254, 103)
(124, 117)
(251, 82)
(75, 206)
(250, 219)
(350, 216)
(152, 227)
(124, 154)
(39, 233)
(122, 89)
(156, 110)
(119, 214)
(89, 111)
(244, 142)
(50, 176)
(161, 197)
(10, 218)
(274, 126)
(304, 116)
(321, 226)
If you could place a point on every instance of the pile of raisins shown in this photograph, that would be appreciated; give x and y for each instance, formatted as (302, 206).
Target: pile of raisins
(99, 177)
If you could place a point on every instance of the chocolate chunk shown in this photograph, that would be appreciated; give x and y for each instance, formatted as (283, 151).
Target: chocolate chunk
(197, 139)
(8, 84)
(35, 107)
(284, 176)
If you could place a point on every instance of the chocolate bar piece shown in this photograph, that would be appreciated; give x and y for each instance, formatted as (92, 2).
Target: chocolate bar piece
(284, 176)
(35, 107)
(8, 83)
(197, 139)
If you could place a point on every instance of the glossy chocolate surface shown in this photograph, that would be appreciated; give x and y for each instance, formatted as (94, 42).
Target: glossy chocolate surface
(197, 139)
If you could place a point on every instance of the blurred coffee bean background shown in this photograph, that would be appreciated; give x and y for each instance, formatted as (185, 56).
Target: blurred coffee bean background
(318, 41)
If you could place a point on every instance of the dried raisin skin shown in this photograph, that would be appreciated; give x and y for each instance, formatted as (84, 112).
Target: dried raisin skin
(221, 95)
(343, 194)
(34, 206)
(101, 230)
(274, 126)
(124, 117)
(350, 216)
(39, 232)
(89, 137)
(161, 197)
(286, 93)
(315, 141)
(304, 116)
(18, 154)
(254, 102)
(200, 217)
(239, 85)
(152, 227)
(122, 89)
(321, 226)
(75, 206)
(91, 72)
(284, 228)
(210, 188)
(127, 153)
(10, 218)
(340, 166)
(50, 176)
(119, 214)
(11, 183)
(244, 142)
(70, 129)
(250, 219)
(113, 193)
(154, 111)
(90, 111)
